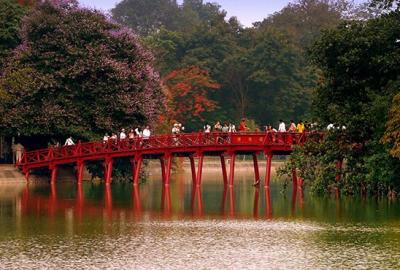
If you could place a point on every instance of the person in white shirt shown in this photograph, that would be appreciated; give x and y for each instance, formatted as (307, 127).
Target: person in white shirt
(69, 141)
(146, 132)
(138, 133)
(282, 126)
(207, 128)
(122, 135)
(18, 152)
(175, 129)
(330, 126)
(106, 137)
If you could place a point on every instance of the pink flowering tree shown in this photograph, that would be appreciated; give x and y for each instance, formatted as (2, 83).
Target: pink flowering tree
(77, 73)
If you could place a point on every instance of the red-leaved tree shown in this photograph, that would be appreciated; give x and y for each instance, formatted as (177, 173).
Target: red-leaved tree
(187, 91)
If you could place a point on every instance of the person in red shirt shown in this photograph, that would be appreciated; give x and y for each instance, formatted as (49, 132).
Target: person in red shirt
(243, 127)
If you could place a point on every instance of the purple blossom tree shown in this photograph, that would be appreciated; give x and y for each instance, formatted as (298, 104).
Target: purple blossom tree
(77, 73)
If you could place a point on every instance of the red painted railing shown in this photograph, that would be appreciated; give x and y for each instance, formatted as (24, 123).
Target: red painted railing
(163, 143)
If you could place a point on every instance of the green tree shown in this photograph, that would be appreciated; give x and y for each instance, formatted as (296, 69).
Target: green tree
(386, 4)
(392, 133)
(304, 20)
(278, 79)
(146, 17)
(358, 83)
(10, 16)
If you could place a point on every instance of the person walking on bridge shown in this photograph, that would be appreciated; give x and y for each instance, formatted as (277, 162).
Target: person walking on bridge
(122, 135)
(69, 141)
(131, 135)
(300, 127)
(105, 138)
(292, 127)
(18, 152)
(146, 133)
(243, 126)
(282, 126)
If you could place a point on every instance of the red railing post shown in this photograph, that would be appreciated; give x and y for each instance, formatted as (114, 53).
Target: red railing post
(50, 154)
(78, 149)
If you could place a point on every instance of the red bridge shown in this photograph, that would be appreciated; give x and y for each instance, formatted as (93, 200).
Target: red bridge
(164, 148)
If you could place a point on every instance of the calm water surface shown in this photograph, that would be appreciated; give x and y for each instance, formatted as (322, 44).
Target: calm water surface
(95, 227)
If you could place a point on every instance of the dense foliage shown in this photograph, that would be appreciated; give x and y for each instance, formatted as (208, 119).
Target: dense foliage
(392, 134)
(263, 70)
(77, 73)
(10, 17)
(187, 95)
(359, 63)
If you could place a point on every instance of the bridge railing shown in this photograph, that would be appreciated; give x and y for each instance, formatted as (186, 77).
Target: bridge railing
(170, 141)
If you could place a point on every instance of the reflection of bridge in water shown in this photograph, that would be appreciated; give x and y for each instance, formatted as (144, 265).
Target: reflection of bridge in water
(164, 148)
(52, 205)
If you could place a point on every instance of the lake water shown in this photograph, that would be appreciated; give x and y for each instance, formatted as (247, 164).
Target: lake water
(94, 227)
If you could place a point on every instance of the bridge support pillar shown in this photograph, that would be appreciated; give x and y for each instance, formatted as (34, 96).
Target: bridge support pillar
(200, 169)
(268, 156)
(232, 169)
(137, 167)
(80, 166)
(193, 169)
(53, 177)
(256, 171)
(223, 166)
(168, 170)
(27, 173)
(108, 163)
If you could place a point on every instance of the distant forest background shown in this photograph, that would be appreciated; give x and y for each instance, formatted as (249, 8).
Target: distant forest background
(262, 72)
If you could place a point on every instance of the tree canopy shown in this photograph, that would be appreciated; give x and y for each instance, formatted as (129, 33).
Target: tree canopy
(264, 66)
(10, 16)
(358, 89)
(77, 73)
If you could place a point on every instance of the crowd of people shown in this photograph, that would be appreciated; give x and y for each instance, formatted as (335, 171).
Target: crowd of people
(226, 127)
(132, 134)
(229, 127)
